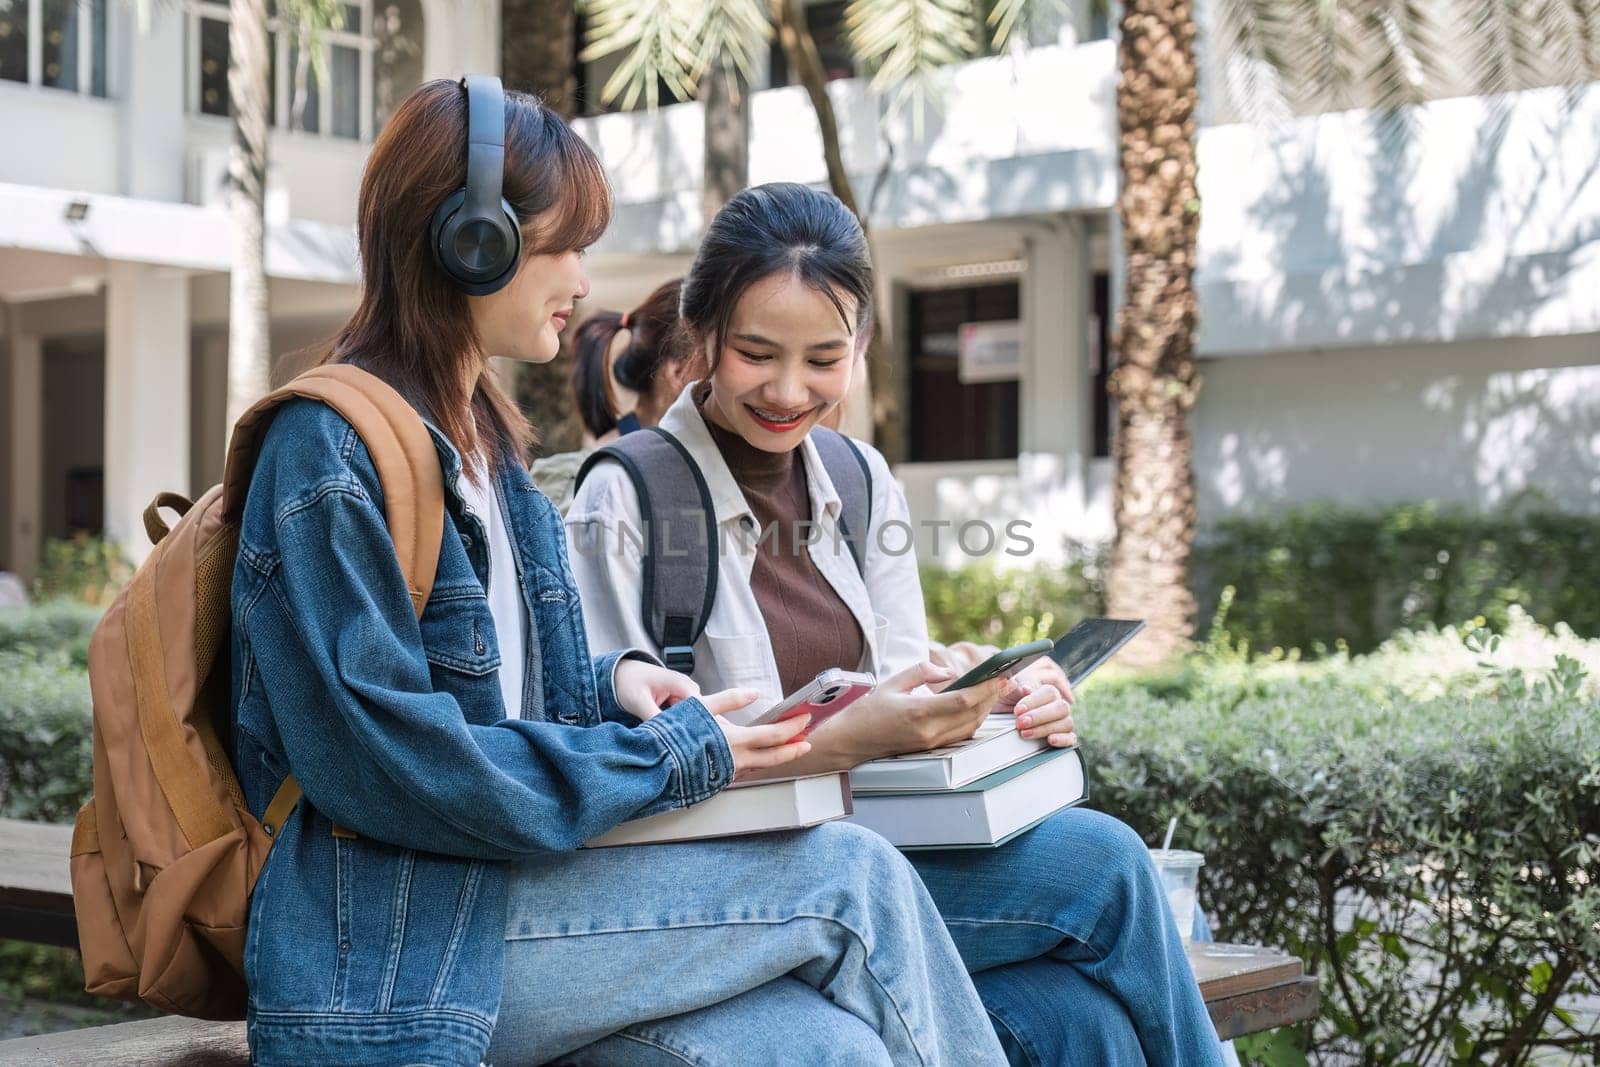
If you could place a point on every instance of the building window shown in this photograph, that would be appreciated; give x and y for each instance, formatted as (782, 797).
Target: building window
(57, 44)
(953, 420)
(296, 98)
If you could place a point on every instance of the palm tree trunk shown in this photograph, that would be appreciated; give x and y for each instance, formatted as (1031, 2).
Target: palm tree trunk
(727, 138)
(801, 51)
(249, 342)
(537, 45)
(1156, 382)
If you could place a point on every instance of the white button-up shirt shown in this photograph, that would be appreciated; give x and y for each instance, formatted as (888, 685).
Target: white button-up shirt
(603, 527)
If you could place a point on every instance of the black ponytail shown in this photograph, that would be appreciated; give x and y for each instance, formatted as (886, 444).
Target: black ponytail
(655, 341)
(597, 407)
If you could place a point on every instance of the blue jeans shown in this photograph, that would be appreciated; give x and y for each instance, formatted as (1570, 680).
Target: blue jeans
(1073, 947)
(819, 946)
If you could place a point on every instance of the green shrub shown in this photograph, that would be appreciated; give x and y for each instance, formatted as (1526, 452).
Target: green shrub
(83, 568)
(1004, 607)
(1313, 576)
(1427, 839)
(44, 736)
(56, 625)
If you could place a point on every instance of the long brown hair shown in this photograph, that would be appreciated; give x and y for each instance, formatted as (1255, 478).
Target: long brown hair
(656, 341)
(413, 328)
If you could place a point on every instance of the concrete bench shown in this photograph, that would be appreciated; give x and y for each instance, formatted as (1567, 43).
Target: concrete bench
(1246, 988)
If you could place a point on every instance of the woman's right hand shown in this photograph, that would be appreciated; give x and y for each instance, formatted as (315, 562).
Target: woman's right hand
(901, 715)
(756, 748)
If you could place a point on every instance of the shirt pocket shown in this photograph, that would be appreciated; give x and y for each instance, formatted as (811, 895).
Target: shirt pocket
(458, 631)
(740, 659)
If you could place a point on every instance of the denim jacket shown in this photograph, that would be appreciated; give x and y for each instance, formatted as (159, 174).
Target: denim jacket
(387, 946)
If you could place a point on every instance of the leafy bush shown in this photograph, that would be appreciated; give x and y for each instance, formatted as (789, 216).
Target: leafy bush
(1312, 576)
(44, 736)
(87, 569)
(56, 625)
(1005, 607)
(1422, 826)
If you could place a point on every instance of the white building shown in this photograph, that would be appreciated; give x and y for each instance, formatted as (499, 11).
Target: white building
(1380, 322)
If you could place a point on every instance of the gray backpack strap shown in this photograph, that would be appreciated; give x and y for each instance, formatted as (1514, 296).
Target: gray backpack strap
(852, 479)
(679, 538)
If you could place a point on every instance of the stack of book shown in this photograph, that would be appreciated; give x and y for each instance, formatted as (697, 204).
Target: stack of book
(976, 794)
(742, 808)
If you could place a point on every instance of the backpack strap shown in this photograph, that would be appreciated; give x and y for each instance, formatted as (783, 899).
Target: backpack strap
(679, 539)
(408, 472)
(852, 480)
(401, 448)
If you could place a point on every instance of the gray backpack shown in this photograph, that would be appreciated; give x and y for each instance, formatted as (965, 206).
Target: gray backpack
(680, 539)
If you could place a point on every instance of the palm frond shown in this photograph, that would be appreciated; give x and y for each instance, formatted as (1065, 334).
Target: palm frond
(904, 41)
(730, 32)
(1254, 40)
(1007, 15)
(657, 39)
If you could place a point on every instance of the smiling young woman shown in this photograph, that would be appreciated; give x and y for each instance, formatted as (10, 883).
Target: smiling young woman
(1065, 928)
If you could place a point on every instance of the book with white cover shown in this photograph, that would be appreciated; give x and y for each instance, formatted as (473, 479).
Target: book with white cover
(996, 746)
(743, 808)
(986, 813)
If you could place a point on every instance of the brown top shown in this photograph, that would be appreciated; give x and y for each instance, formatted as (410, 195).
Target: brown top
(810, 626)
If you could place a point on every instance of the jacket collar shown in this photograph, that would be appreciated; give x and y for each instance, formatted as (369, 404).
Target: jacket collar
(684, 421)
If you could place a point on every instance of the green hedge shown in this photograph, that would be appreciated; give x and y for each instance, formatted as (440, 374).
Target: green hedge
(44, 735)
(1422, 829)
(1010, 606)
(54, 626)
(1318, 575)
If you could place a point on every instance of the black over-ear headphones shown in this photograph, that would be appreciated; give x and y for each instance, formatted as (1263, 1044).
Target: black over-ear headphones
(475, 237)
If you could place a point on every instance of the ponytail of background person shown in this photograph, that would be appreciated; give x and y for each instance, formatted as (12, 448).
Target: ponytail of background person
(655, 342)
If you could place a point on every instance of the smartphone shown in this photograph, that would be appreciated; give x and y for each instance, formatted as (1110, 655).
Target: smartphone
(1003, 664)
(822, 698)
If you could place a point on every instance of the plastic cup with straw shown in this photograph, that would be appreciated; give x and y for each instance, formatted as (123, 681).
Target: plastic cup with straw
(1180, 877)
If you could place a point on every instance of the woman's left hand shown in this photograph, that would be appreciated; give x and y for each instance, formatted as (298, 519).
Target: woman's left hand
(1041, 697)
(643, 689)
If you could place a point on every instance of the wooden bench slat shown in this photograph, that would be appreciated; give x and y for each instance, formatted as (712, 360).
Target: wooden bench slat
(170, 1042)
(1265, 1009)
(34, 859)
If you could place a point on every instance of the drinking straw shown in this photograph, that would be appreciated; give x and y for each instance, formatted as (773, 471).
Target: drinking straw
(1172, 824)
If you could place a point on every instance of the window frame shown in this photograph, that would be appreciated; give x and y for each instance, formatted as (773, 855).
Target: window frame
(86, 48)
(363, 41)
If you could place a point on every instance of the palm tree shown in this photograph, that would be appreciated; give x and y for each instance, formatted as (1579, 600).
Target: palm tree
(1156, 382)
(250, 97)
(1276, 56)
(249, 92)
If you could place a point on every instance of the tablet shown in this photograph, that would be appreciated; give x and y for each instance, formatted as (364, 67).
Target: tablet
(1090, 643)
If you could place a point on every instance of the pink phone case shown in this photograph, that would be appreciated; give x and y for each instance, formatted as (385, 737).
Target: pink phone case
(837, 693)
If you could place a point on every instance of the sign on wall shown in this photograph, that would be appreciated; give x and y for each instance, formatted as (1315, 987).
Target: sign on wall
(990, 352)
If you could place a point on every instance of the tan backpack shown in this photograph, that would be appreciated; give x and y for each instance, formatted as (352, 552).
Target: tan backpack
(166, 853)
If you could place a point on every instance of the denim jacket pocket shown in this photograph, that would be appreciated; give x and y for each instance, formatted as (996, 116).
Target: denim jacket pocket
(458, 631)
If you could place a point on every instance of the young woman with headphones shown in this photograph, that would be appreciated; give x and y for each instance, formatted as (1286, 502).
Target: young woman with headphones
(426, 897)
(1066, 927)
